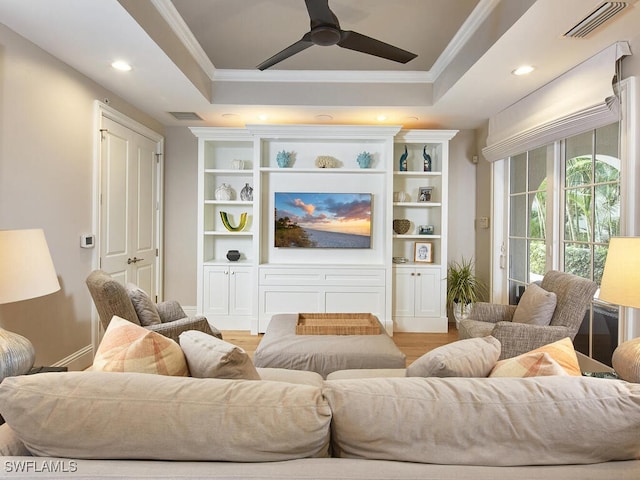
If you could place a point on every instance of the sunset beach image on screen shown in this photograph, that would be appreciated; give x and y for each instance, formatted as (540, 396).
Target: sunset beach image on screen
(322, 220)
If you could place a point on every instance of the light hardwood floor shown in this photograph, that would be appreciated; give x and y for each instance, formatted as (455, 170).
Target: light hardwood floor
(413, 345)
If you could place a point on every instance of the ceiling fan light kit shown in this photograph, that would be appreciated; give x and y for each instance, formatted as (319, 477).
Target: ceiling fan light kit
(325, 31)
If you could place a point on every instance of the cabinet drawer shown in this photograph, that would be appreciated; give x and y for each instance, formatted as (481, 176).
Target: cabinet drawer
(322, 276)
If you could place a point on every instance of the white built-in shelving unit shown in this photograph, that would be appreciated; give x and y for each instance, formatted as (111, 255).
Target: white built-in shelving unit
(243, 295)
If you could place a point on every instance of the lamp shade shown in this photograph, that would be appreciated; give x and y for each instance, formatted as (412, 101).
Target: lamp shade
(26, 268)
(621, 278)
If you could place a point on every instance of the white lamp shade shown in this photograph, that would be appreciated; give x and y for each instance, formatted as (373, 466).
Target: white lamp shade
(26, 268)
(621, 278)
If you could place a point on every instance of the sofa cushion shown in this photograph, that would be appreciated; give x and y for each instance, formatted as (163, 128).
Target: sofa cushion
(485, 421)
(536, 306)
(126, 347)
(210, 357)
(140, 416)
(562, 352)
(532, 364)
(626, 360)
(144, 307)
(472, 357)
(290, 376)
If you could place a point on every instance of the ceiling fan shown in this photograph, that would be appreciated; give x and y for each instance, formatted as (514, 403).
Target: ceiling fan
(325, 31)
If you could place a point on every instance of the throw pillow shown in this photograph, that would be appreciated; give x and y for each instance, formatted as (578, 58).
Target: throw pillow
(538, 364)
(563, 352)
(144, 307)
(626, 360)
(472, 357)
(210, 357)
(127, 347)
(536, 306)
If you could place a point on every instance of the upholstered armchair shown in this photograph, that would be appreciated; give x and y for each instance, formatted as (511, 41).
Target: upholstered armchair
(573, 296)
(132, 304)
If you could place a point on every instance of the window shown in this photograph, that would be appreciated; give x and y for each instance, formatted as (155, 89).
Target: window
(591, 170)
(527, 219)
(586, 214)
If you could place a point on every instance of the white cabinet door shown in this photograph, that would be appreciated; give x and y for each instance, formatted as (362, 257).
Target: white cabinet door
(216, 290)
(404, 292)
(240, 290)
(427, 301)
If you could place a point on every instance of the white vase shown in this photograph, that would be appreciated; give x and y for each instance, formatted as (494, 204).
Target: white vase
(224, 192)
(459, 314)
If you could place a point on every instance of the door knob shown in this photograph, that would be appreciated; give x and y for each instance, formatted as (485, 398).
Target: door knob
(134, 260)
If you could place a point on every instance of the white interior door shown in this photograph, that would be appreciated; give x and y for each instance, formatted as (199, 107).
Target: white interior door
(129, 206)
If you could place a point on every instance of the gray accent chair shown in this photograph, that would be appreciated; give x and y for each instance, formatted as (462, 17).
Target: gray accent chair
(111, 298)
(574, 295)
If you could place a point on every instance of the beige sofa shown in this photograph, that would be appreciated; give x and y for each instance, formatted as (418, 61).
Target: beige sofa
(295, 425)
(448, 415)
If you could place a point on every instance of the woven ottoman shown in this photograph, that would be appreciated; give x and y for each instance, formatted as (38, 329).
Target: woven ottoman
(281, 347)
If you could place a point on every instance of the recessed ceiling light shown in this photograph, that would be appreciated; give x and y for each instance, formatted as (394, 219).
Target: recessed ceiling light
(415, 119)
(382, 118)
(523, 70)
(229, 115)
(121, 65)
(263, 117)
(324, 116)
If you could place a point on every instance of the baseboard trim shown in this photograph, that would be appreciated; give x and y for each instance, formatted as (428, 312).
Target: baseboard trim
(78, 360)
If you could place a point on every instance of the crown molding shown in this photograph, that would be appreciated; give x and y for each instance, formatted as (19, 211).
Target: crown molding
(324, 76)
(180, 28)
(462, 36)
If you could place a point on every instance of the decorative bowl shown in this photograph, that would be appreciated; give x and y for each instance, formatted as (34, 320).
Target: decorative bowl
(401, 226)
(233, 255)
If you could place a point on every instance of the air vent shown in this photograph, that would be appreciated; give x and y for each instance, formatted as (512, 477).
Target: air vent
(596, 18)
(186, 115)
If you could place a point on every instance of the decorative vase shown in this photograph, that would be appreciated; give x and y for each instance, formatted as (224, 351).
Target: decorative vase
(403, 160)
(364, 160)
(224, 192)
(284, 159)
(233, 255)
(427, 159)
(401, 197)
(461, 314)
(246, 193)
(401, 226)
(237, 164)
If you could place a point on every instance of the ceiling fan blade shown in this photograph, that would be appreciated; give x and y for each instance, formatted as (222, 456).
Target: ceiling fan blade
(361, 43)
(302, 44)
(320, 13)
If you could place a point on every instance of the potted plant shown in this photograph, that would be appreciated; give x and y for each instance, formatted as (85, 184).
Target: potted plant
(464, 288)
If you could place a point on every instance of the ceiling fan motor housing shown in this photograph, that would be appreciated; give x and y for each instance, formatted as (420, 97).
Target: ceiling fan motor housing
(325, 35)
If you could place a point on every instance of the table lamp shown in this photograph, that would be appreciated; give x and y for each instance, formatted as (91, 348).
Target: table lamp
(26, 271)
(620, 283)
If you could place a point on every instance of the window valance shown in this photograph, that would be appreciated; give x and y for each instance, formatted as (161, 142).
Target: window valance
(581, 99)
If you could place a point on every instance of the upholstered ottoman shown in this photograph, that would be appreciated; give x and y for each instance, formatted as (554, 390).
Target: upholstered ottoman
(281, 347)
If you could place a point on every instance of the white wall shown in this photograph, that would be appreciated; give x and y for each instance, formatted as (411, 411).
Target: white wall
(462, 196)
(46, 179)
(180, 215)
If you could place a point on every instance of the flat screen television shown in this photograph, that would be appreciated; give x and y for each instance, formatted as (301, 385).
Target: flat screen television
(322, 220)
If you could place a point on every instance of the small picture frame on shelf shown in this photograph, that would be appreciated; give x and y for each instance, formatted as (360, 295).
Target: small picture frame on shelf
(423, 252)
(426, 229)
(424, 194)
